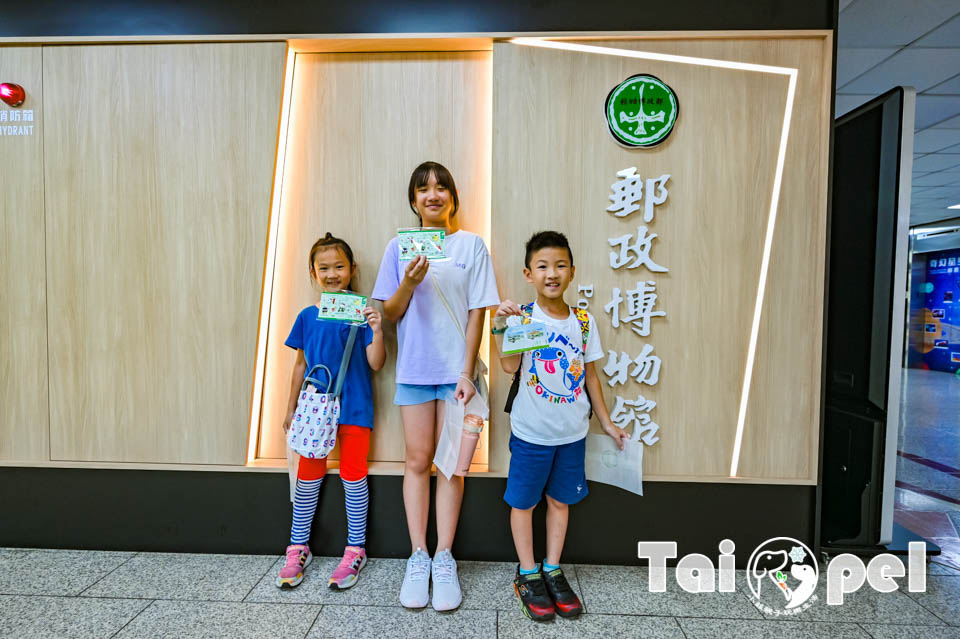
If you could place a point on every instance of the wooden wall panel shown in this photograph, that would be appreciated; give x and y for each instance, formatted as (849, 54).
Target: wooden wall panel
(24, 424)
(159, 164)
(360, 123)
(722, 159)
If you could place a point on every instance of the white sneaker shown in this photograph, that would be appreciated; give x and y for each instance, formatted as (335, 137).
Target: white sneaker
(415, 591)
(446, 583)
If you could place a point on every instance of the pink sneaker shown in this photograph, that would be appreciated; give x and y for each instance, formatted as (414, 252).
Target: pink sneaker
(354, 558)
(298, 558)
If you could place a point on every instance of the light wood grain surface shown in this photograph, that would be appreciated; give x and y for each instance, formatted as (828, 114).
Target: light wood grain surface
(157, 185)
(554, 164)
(360, 123)
(23, 306)
(158, 176)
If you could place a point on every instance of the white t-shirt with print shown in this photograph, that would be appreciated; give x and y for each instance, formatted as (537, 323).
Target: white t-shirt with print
(551, 406)
(431, 347)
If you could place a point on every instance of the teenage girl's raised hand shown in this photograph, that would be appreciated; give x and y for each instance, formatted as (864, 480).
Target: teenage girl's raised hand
(373, 319)
(416, 270)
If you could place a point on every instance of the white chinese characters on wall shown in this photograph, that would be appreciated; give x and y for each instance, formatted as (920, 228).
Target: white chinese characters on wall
(635, 307)
(628, 193)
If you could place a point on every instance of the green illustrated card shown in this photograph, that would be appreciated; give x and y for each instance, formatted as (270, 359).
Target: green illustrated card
(428, 242)
(342, 307)
(525, 337)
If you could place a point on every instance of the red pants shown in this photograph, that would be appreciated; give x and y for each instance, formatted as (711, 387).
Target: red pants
(354, 444)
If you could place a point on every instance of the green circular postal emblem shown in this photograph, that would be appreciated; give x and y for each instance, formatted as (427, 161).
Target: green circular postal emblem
(641, 111)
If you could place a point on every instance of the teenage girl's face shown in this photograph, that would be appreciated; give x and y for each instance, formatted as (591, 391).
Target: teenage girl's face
(331, 270)
(434, 203)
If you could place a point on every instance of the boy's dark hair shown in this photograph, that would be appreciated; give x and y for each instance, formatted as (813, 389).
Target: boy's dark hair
(420, 177)
(329, 241)
(546, 239)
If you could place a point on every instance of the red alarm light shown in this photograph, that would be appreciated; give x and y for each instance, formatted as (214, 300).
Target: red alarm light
(12, 94)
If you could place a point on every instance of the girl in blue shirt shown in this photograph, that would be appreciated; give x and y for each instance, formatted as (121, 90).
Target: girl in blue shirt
(318, 341)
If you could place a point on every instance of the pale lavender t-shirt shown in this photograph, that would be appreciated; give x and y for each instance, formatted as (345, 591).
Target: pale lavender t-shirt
(431, 347)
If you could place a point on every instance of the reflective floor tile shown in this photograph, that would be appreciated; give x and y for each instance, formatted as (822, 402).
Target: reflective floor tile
(911, 632)
(514, 625)
(744, 629)
(215, 619)
(624, 590)
(378, 584)
(375, 622)
(942, 598)
(185, 576)
(39, 617)
(56, 572)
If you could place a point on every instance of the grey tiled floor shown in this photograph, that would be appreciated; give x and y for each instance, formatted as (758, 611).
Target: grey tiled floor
(91, 594)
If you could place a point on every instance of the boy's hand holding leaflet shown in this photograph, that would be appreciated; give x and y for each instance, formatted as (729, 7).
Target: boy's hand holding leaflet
(618, 434)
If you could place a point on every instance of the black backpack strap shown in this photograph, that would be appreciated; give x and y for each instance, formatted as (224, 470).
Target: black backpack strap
(526, 310)
(512, 394)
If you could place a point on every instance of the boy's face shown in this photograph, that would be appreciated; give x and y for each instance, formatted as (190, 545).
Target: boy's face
(550, 271)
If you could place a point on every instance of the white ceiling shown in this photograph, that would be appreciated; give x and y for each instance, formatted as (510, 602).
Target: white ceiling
(886, 43)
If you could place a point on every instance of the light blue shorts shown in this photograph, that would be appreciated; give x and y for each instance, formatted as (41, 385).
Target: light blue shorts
(411, 394)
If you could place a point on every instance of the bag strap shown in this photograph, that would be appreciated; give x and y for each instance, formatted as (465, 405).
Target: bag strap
(479, 367)
(310, 378)
(345, 361)
(526, 311)
(443, 298)
(584, 321)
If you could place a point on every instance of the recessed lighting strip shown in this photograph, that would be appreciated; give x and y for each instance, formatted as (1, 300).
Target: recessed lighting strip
(774, 200)
(271, 258)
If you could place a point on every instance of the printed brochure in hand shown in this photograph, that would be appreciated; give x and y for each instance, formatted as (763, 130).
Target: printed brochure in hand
(342, 307)
(428, 242)
(525, 337)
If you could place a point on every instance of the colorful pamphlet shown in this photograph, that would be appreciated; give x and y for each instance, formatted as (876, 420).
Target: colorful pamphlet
(427, 242)
(342, 307)
(525, 337)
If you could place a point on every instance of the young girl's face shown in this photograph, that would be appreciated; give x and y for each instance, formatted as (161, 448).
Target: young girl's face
(434, 203)
(331, 270)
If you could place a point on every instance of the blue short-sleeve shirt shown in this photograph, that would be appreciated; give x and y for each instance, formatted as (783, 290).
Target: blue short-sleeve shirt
(323, 342)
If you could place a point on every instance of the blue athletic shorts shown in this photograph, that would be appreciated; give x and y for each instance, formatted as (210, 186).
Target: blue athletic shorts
(410, 394)
(557, 471)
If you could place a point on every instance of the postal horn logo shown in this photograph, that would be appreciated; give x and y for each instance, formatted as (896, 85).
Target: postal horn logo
(641, 111)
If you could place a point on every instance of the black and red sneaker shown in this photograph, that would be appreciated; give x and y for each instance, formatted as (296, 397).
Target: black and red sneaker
(534, 600)
(565, 600)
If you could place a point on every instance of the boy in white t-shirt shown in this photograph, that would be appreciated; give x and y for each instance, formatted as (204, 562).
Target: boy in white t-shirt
(549, 419)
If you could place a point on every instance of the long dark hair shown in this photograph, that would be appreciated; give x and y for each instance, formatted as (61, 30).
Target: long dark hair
(329, 241)
(420, 177)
